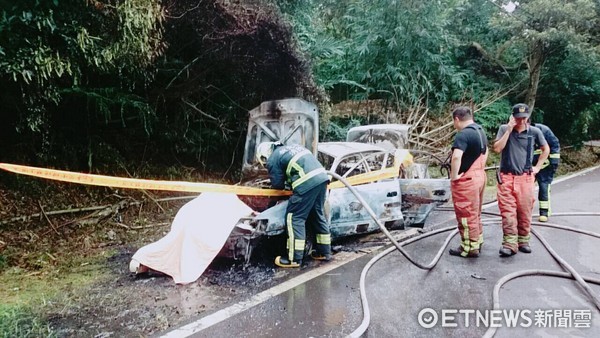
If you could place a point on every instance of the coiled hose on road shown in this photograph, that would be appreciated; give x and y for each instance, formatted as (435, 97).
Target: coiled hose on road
(571, 274)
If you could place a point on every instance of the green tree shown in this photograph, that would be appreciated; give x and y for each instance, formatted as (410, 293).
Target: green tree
(65, 60)
(569, 95)
(540, 29)
(224, 58)
(539, 52)
(391, 49)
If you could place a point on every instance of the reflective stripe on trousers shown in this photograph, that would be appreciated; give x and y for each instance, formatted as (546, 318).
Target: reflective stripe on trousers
(300, 207)
(515, 201)
(544, 179)
(467, 197)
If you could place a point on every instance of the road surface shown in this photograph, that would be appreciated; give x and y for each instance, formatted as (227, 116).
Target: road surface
(454, 298)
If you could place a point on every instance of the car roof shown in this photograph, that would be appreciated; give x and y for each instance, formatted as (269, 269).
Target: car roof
(402, 127)
(338, 149)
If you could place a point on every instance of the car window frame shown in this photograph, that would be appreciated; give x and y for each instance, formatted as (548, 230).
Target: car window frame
(364, 157)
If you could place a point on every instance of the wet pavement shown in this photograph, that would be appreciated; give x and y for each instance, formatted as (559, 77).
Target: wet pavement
(324, 301)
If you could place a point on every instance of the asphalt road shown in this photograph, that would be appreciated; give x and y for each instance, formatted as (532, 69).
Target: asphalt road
(454, 298)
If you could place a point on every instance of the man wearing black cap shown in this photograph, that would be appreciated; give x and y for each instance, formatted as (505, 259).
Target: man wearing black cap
(515, 141)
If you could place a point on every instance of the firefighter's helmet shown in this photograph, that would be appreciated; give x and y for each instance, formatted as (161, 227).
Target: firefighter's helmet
(263, 151)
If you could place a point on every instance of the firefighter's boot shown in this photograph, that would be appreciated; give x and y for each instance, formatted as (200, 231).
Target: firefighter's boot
(461, 253)
(543, 215)
(525, 248)
(506, 252)
(286, 263)
(321, 257)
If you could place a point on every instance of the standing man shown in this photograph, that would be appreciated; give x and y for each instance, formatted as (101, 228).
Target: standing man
(296, 166)
(515, 141)
(546, 174)
(467, 181)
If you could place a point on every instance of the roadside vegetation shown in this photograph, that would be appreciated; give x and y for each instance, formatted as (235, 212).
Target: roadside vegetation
(29, 296)
(161, 89)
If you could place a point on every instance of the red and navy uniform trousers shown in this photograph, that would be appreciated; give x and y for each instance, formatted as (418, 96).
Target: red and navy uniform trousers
(302, 208)
(515, 201)
(467, 197)
(544, 178)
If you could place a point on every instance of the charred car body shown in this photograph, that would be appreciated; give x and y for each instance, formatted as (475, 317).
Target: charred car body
(403, 199)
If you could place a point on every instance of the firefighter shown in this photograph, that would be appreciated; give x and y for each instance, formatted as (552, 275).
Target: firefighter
(546, 174)
(467, 181)
(296, 166)
(515, 141)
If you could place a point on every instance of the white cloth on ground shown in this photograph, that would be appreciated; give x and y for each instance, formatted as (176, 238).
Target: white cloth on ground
(199, 231)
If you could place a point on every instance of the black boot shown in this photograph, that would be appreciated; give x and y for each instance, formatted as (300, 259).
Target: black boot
(321, 257)
(459, 252)
(525, 248)
(506, 252)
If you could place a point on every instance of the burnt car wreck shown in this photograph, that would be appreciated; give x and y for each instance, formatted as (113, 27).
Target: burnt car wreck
(401, 199)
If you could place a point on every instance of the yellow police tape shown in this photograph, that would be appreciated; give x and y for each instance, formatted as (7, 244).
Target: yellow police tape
(135, 183)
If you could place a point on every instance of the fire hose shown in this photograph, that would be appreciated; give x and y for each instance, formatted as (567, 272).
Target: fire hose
(571, 274)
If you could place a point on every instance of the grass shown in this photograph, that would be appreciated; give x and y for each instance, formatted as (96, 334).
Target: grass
(20, 321)
(22, 298)
(28, 296)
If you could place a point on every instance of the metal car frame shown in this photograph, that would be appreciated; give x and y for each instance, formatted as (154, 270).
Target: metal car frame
(396, 201)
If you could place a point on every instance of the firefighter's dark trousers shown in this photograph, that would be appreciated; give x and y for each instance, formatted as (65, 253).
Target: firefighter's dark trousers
(308, 206)
(544, 179)
(467, 197)
(515, 201)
